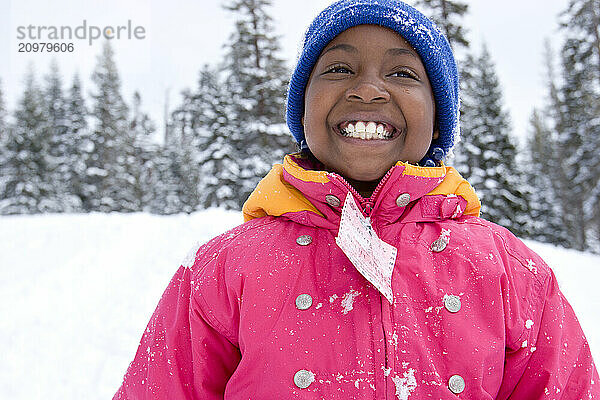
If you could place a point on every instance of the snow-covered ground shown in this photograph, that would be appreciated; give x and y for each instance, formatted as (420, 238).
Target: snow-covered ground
(76, 292)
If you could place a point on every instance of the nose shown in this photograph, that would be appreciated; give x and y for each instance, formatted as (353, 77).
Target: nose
(368, 90)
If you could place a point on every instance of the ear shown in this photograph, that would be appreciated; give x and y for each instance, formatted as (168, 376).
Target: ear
(302, 120)
(436, 130)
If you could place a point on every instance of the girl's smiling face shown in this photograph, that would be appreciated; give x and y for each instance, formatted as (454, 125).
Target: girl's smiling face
(368, 104)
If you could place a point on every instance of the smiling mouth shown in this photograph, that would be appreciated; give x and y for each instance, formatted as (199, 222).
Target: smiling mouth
(367, 130)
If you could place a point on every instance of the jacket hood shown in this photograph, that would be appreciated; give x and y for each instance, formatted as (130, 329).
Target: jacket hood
(316, 196)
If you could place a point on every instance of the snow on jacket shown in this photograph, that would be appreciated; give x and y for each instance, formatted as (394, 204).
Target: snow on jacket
(273, 309)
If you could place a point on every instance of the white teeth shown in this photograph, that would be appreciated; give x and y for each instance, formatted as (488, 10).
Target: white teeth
(360, 127)
(371, 127)
(367, 131)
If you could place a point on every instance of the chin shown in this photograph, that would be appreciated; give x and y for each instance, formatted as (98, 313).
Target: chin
(366, 176)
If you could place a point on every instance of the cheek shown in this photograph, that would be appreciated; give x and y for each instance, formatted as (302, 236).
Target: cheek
(309, 108)
(429, 100)
(314, 102)
(422, 110)
(316, 109)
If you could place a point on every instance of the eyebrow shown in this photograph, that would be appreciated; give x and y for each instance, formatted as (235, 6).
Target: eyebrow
(401, 52)
(342, 46)
(352, 49)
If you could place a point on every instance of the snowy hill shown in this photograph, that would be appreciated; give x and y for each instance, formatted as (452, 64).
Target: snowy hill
(78, 290)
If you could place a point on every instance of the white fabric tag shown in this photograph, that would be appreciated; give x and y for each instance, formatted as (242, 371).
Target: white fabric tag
(372, 257)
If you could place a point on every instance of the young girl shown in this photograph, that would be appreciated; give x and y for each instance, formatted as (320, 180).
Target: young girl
(363, 270)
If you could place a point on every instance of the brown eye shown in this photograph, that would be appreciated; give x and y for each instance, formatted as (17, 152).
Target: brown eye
(405, 73)
(338, 69)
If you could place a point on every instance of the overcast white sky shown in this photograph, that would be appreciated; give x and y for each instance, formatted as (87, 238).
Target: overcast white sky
(183, 35)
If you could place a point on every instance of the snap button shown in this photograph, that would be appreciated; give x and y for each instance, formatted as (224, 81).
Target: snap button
(403, 200)
(441, 242)
(452, 303)
(456, 384)
(303, 302)
(304, 240)
(439, 245)
(303, 378)
(332, 200)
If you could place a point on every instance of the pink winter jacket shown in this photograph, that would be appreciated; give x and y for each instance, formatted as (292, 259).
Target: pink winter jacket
(273, 309)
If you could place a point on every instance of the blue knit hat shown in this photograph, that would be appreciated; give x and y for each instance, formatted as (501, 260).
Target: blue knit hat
(420, 32)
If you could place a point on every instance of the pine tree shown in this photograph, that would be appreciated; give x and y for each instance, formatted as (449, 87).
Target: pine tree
(61, 198)
(3, 146)
(582, 20)
(109, 176)
(256, 80)
(220, 169)
(203, 123)
(447, 14)
(79, 145)
(581, 51)
(181, 169)
(578, 130)
(25, 181)
(166, 191)
(141, 129)
(195, 142)
(3, 122)
(487, 154)
(544, 172)
(545, 223)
